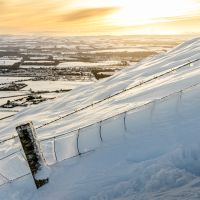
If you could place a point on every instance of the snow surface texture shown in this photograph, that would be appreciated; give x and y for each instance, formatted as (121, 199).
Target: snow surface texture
(152, 152)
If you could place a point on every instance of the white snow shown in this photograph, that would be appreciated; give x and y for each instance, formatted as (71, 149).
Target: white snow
(9, 62)
(87, 64)
(53, 85)
(152, 152)
(7, 79)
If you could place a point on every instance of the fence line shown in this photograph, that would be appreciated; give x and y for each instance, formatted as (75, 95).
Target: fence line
(9, 110)
(19, 177)
(134, 108)
(77, 134)
(120, 113)
(79, 152)
(54, 149)
(7, 117)
(12, 180)
(10, 154)
(120, 92)
(125, 126)
(78, 131)
(8, 139)
(100, 131)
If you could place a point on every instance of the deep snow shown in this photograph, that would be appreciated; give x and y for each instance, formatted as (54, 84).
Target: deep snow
(153, 154)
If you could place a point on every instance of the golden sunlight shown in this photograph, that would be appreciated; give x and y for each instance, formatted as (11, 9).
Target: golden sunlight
(90, 17)
(146, 12)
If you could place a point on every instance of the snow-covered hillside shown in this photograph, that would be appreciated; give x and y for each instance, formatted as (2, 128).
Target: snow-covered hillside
(137, 133)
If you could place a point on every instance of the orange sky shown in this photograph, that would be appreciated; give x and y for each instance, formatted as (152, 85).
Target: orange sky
(93, 17)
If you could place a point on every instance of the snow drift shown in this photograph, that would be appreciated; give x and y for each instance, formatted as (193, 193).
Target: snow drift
(134, 135)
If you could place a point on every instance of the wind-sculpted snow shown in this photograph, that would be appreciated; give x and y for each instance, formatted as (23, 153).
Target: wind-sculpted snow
(152, 152)
(127, 78)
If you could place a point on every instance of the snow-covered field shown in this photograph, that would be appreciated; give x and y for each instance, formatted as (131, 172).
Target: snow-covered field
(9, 62)
(132, 49)
(141, 142)
(36, 66)
(6, 79)
(53, 85)
(87, 64)
(6, 94)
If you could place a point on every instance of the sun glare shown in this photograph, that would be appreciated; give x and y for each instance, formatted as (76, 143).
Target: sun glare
(88, 17)
(145, 12)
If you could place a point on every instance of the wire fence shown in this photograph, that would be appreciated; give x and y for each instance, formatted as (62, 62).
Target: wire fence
(73, 143)
(13, 167)
(111, 96)
(121, 92)
(7, 117)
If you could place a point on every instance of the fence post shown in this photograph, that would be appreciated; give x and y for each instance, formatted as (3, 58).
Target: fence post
(77, 142)
(27, 136)
(125, 127)
(100, 131)
(54, 148)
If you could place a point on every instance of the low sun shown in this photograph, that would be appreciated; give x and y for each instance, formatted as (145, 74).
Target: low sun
(144, 12)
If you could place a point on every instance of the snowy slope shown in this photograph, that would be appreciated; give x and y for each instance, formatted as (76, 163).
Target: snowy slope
(147, 153)
(87, 95)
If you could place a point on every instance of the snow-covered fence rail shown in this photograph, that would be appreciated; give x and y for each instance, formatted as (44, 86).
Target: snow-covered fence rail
(140, 83)
(90, 137)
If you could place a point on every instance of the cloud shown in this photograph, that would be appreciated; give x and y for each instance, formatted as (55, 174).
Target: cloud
(169, 25)
(1, 3)
(88, 13)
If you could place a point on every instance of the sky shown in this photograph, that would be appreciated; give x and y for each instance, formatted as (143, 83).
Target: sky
(100, 17)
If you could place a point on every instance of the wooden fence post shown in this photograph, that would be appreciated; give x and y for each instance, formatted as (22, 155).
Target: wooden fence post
(31, 147)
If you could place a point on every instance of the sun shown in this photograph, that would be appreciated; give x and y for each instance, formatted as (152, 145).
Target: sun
(145, 11)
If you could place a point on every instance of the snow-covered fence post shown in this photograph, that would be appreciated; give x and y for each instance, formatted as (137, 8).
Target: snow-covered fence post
(125, 127)
(77, 142)
(100, 131)
(27, 136)
(54, 148)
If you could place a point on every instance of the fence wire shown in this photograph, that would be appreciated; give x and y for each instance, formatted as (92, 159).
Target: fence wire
(120, 92)
(123, 116)
(111, 96)
(78, 134)
(7, 179)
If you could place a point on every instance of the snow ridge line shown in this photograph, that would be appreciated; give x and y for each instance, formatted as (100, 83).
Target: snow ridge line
(124, 112)
(120, 92)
